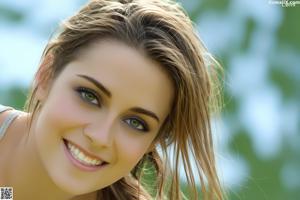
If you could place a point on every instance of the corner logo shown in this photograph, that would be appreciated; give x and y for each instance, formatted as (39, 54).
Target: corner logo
(284, 3)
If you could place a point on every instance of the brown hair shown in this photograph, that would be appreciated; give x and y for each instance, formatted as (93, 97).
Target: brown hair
(164, 32)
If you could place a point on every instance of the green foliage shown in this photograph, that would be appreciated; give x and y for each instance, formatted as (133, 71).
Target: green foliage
(289, 30)
(10, 14)
(14, 96)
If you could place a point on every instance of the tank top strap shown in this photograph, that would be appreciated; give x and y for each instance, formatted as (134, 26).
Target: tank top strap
(8, 120)
(5, 108)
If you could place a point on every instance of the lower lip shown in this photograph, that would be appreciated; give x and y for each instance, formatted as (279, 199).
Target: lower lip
(78, 164)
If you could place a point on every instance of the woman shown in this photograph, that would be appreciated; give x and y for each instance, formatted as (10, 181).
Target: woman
(121, 85)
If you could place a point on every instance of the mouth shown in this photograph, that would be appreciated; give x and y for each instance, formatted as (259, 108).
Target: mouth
(81, 158)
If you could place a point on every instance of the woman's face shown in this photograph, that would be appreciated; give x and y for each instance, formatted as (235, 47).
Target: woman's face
(101, 116)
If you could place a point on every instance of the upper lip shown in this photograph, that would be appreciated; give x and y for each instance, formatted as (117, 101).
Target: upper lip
(84, 151)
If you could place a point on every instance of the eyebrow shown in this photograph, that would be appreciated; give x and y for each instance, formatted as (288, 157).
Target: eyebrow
(145, 112)
(108, 93)
(96, 83)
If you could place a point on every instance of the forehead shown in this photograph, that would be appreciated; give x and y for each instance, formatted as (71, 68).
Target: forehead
(126, 73)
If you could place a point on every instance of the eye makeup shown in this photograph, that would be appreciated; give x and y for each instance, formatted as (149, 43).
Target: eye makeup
(89, 95)
(137, 123)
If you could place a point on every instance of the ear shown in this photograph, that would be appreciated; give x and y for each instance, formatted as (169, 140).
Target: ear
(43, 77)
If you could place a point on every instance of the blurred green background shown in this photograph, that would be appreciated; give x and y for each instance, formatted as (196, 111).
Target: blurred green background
(258, 44)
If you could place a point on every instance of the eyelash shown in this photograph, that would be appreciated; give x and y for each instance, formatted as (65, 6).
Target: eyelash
(144, 125)
(82, 90)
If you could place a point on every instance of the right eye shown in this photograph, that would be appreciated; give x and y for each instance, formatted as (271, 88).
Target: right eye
(89, 95)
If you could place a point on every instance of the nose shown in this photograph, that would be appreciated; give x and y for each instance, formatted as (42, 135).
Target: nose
(100, 134)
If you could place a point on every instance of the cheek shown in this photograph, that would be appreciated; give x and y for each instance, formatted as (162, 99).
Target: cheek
(131, 150)
(62, 111)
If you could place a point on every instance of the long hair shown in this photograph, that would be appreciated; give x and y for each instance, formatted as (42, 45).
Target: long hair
(163, 31)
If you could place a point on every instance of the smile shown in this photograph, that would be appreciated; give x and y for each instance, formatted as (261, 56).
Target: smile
(81, 158)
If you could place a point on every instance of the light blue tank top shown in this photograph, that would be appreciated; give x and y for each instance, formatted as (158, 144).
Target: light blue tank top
(8, 120)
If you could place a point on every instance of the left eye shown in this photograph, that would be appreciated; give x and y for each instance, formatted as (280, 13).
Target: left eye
(136, 124)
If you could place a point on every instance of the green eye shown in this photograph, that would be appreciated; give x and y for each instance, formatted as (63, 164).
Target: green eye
(88, 95)
(137, 124)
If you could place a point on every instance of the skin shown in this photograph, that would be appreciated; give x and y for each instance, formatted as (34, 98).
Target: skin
(105, 126)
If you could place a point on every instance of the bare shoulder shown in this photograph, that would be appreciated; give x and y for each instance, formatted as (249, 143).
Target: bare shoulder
(3, 139)
(4, 115)
(17, 125)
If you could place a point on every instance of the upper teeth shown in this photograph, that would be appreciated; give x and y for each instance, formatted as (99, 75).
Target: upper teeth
(81, 157)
